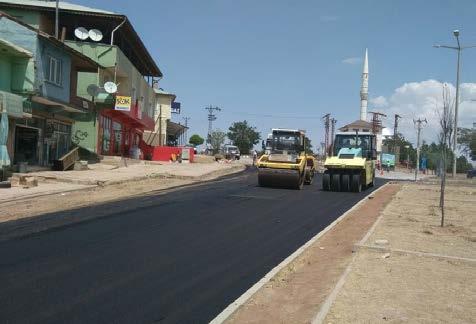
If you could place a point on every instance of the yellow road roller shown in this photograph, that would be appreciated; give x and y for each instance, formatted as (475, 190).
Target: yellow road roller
(286, 163)
(352, 166)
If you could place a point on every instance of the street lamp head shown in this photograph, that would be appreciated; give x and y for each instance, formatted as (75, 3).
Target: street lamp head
(456, 32)
(436, 46)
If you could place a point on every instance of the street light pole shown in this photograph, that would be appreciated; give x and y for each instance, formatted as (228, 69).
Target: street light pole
(458, 48)
(455, 131)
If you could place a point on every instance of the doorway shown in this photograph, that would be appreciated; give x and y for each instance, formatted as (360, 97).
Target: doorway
(26, 144)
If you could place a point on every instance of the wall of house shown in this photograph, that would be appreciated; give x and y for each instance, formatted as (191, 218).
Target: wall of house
(131, 82)
(5, 73)
(84, 131)
(28, 16)
(22, 70)
(163, 104)
(48, 89)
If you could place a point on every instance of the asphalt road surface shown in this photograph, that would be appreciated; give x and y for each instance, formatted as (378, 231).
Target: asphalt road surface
(180, 257)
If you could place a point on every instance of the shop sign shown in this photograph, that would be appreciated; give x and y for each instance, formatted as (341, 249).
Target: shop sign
(123, 103)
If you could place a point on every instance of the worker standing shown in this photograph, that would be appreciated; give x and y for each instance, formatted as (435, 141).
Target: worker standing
(255, 155)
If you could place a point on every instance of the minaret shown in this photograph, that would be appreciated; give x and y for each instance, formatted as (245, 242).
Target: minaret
(364, 89)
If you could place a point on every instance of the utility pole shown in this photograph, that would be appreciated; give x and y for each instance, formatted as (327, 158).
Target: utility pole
(376, 121)
(418, 123)
(186, 119)
(57, 20)
(395, 133)
(326, 119)
(211, 118)
(333, 128)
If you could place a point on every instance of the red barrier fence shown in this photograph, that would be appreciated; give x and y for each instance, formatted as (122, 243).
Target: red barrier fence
(165, 153)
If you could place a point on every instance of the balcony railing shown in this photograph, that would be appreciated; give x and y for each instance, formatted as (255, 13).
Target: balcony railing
(12, 103)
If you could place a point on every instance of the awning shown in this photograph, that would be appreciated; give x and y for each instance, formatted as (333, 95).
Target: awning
(58, 105)
(174, 129)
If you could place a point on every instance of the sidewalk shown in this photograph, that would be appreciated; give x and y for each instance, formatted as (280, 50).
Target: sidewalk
(100, 174)
(401, 174)
(412, 270)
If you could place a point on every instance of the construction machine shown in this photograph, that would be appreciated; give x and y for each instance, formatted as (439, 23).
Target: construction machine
(352, 164)
(285, 162)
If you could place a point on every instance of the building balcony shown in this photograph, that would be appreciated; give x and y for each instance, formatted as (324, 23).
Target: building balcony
(15, 105)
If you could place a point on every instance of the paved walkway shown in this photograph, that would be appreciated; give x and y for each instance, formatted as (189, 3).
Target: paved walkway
(51, 182)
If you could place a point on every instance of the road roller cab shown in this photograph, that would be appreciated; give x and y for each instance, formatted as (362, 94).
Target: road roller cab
(352, 166)
(285, 162)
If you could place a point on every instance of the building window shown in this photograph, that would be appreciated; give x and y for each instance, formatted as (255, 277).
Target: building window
(53, 73)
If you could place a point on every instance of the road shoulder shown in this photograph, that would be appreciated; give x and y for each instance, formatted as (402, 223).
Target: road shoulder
(295, 293)
(410, 269)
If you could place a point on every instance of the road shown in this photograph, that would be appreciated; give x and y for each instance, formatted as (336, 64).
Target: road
(180, 257)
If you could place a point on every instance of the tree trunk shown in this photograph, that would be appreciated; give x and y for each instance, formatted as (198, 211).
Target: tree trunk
(442, 190)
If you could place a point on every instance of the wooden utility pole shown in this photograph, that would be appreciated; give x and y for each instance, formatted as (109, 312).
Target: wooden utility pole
(395, 133)
(333, 130)
(418, 123)
(326, 119)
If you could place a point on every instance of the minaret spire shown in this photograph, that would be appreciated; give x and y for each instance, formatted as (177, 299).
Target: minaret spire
(364, 89)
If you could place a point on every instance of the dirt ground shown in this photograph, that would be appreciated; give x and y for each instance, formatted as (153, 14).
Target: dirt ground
(295, 294)
(30, 207)
(401, 287)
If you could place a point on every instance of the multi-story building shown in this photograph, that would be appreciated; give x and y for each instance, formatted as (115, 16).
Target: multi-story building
(107, 129)
(38, 85)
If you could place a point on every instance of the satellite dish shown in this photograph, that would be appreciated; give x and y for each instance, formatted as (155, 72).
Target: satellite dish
(93, 90)
(110, 87)
(81, 33)
(95, 35)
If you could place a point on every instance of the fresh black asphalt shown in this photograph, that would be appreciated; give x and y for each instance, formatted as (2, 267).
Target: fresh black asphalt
(180, 257)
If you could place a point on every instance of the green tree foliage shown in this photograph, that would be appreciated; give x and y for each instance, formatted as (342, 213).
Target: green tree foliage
(467, 141)
(462, 164)
(243, 135)
(217, 138)
(406, 148)
(196, 140)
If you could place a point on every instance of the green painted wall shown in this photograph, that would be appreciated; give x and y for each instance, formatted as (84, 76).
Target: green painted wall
(85, 131)
(23, 75)
(5, 73)
(27, 16)
(105, 55)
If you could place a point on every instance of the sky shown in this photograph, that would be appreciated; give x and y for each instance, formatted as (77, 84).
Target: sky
(286, 63)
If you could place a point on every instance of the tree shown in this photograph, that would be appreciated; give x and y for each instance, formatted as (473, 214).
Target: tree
(446, 117)
(243, 136)
(217, 138)
(196, 140)
(308, 145)
(467, 141)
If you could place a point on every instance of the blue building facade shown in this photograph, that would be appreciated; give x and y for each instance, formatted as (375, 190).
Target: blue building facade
(39, 73)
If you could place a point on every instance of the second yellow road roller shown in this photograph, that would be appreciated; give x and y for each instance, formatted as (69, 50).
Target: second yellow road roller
(286, 163)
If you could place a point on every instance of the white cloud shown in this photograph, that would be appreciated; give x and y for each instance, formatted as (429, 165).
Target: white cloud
(379, 101)
(424, 99)
(352, 60)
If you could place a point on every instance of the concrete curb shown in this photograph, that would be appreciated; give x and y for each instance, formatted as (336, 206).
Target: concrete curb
(326, 306)
(228, 311)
